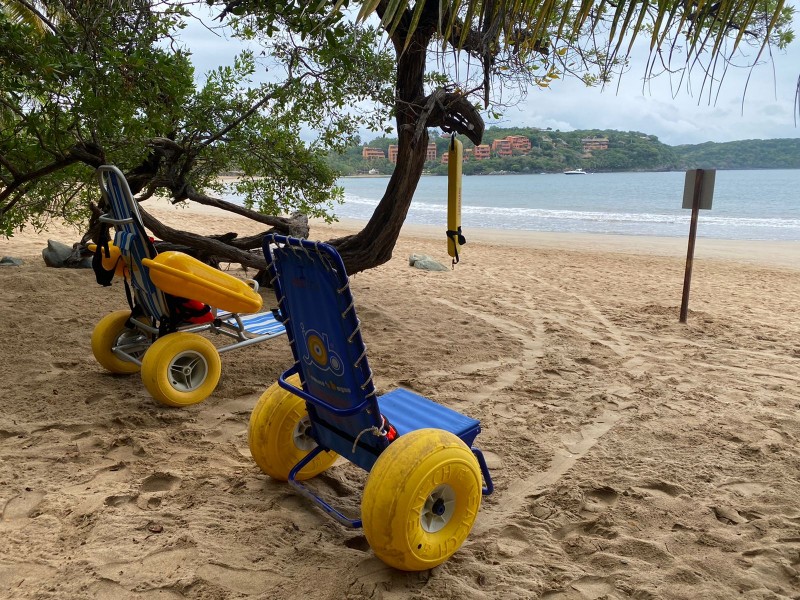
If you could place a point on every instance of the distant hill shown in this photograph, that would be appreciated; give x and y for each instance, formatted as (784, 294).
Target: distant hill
(744, 154)
(593, 150)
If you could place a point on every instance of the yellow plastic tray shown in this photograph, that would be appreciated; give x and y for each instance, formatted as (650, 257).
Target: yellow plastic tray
(181, 275)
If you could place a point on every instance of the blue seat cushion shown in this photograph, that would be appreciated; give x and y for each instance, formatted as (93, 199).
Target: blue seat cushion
(408, 411)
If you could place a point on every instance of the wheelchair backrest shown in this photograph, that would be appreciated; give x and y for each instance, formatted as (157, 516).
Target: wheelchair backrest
(314, 299)
(132, 240)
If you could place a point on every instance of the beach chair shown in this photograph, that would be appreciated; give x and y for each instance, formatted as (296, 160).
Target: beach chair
(425, 480)
(173, 299)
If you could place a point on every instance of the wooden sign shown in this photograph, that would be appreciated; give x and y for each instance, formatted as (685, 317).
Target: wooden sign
(697, 193)
(706, 190)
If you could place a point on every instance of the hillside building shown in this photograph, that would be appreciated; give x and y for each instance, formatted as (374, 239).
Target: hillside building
(369, 153)
(483, 151)
(430, 153)
(502, 148)
(519, 143)
(594, 143)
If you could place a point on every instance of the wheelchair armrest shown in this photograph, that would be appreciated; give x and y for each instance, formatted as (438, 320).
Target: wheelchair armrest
(318, 402)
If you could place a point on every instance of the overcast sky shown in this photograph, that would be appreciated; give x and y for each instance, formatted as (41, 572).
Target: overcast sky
(768, 110)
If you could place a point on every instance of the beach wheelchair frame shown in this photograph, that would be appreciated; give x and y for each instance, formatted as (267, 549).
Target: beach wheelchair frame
(425, 480)
(170, 297)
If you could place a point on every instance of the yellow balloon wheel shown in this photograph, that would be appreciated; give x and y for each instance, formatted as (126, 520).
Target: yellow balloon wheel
(181, 369)
(278, 435)
(111, 332)
(421, 499)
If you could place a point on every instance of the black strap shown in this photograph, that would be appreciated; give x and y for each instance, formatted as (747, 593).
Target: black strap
(129, 294)
(457, 238)
(101, 274)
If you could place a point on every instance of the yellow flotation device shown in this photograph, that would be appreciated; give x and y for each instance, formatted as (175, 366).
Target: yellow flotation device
(112, 260)
(182, 275)
(454, 236)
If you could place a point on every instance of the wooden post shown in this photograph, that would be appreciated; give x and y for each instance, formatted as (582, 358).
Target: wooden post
(687, 278)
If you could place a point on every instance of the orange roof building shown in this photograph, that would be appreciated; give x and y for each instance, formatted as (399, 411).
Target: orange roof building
(368, 153)
(519, 143)
(502, 148)
(483, 151)
(430, 153)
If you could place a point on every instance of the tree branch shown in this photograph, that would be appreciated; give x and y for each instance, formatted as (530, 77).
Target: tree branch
(32, 175)
(202, 243)
(451, 112)
(248, 113)
(283, 224)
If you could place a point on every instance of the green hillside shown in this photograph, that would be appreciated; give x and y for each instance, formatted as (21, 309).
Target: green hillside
(744, 154)
(554, 151)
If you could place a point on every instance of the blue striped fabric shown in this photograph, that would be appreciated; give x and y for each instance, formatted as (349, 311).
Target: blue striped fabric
(257, 324)
(128, 238)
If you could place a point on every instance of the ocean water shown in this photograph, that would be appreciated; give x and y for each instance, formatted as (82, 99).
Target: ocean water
(747, 205)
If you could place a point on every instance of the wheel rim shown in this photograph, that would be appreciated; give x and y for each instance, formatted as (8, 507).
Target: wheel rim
(301, 436)
(438, 508)
(133, 343)
(187, 371)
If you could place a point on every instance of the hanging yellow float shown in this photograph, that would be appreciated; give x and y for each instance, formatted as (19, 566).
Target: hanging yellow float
(454, 237)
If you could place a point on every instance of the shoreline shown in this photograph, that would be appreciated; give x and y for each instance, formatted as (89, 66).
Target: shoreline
(774, 253)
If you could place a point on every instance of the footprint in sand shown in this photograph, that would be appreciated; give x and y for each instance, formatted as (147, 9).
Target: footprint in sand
(56, 370)
(598, 501)
(21, 507)
(660, 488)
(513, 541)
(585, 587)
(100, 397)
(5, 434)
(160, 482)
(769, 564)
(358, 542)
(126, 449)
(246, 582)
(730, 516)
(119, 500)
(744, 487)
(150, 498)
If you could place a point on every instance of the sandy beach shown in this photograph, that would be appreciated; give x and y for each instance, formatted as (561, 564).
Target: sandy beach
(634, 457)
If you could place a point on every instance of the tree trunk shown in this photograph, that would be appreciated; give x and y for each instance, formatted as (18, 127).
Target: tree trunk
(373, 245)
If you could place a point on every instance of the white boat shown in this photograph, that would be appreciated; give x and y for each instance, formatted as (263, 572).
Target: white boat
(575, 172)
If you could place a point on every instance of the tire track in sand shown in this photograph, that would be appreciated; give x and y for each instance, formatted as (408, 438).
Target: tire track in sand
(575, 444)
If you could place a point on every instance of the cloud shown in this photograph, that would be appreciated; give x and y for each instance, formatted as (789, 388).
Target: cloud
(752, 104)
(673, 114)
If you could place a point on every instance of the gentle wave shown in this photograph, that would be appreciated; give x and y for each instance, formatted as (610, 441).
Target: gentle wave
(522, 214)
(748, 205)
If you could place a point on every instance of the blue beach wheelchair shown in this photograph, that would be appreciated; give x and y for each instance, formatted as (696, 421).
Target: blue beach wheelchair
(172, 298)
(425, 480)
